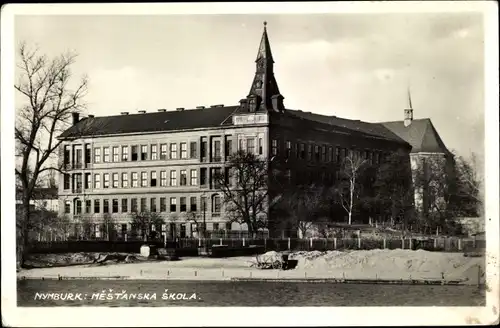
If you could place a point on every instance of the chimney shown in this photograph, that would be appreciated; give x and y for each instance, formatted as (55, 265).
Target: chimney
(142, 111)
(277, 102)
(243, 103)
(76, 117)
(200, 107)
(124, 113)
(91, 116)
(180, 108)
(162, 110)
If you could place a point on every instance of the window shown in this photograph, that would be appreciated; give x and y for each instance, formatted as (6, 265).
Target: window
(152, 205)
(251, 145)
(288, 149)
(97, 181)
(376, 159)
(115, 180)
(261, 150)
(106, 154)
(143, 205)
(116, 156)
(163, 151)
(154, 152)
(144, 152)
(216, 174)
(105, 205)
(337, 154)
(309, 152)
(133, 205)
(228, 146)
(203, 148)
(173, 178)
(163, 178)
(173, 151)
(124, 180)
(229, 226)
(173, 204)
(124, 205)
(153, 178)
(194, 177)
(323, 153)
(124, 153)
(183, 204)
(203, 176)
(192, 203)
(192, 149)
(88, 180)
(66, 181)
(316, 153)
(134, 153)
(274, 147)
(87, 154)
(241, 144)
(330, 154)
(88, 206)
(115, 205)
(144, 179)
(163, 204)
(135, 179)
(106, 180)
(216, 204)
(67, 206)
(97, 206)
(183, 177)
(184, 150)
(203, 202)
(217, 151)
(97, 155)
(66, 155)
(302, 151)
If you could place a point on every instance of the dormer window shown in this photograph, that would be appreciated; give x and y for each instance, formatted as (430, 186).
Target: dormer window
(252, 105)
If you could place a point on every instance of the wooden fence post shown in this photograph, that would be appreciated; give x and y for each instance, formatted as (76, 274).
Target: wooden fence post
(126, 237)
(359, 243)
(199, 242)
(402, 243)
(310, 242)
(289, 243)
(220, 241)
(435, 243)
(459, 244)
(385, 246)
(334, 243)
(265, 244)
(165, 240)
(243, 241)
(410, 244)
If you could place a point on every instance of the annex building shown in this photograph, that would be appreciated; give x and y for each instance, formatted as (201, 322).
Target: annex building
(164, 161)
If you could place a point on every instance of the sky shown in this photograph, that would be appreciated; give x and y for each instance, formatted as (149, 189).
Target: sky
(356, 66)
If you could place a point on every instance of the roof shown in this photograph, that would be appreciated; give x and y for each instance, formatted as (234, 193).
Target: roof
(150, 122)
(421, 134)
(40, 193)
(372, 129)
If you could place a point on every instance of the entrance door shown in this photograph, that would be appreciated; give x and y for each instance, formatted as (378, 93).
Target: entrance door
(183, 230)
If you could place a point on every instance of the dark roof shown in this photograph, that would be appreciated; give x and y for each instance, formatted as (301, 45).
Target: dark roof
(39, 193)
(421, 134)
(370, 129)
(150, 122)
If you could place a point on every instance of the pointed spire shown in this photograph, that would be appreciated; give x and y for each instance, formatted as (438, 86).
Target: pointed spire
(265, 47)
(409, 99)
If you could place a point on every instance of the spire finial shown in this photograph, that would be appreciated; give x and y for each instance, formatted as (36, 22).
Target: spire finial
(265, 24)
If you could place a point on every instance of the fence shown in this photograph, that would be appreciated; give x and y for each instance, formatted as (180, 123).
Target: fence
(189, 246)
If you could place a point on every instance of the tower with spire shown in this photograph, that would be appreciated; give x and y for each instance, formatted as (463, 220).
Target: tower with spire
(408, 111)
(264, 93)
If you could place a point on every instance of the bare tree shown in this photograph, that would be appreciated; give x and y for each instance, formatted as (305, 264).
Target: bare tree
(144, 222)
(244, 185)
(44, 84)
(347, 191)
(109, 224)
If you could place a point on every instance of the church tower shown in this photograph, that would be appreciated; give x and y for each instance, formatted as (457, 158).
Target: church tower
(264, 93)
(408, 111)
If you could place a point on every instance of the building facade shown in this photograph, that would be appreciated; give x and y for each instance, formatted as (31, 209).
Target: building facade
(165, 161)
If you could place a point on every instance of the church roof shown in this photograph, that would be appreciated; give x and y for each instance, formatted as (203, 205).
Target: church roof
(421, 134)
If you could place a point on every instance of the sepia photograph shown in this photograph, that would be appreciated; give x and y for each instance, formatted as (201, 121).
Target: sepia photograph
(301, 161)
